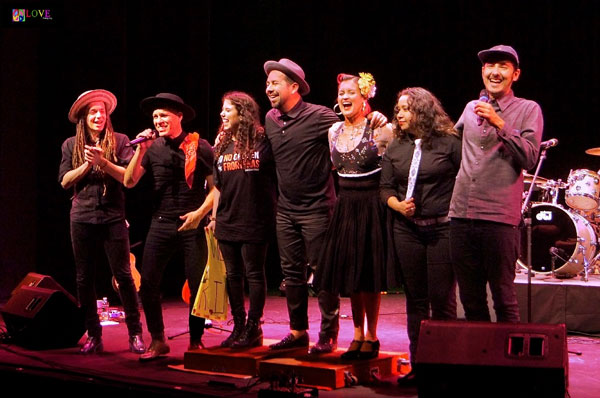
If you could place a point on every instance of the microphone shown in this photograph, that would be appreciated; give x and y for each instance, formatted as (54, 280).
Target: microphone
(483, 97)
(143, 139)
(549, 144)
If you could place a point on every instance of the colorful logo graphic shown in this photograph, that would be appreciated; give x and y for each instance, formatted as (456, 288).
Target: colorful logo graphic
(24, 14)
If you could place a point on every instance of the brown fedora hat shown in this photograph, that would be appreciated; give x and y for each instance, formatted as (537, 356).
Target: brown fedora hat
(169, 101)
(86, 98)
(292, 70)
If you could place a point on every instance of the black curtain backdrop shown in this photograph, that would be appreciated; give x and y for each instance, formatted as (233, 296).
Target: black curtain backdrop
(202, 49)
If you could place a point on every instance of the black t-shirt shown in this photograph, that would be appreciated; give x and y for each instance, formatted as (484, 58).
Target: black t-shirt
(98, 198)
(301, 150)
(246, 211)
(165, 161)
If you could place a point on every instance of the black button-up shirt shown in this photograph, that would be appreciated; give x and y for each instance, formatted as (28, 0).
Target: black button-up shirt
(435, 179)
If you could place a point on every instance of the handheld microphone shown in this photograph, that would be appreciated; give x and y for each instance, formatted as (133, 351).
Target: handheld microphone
(549, 144)
(483, 97)
(143, 139)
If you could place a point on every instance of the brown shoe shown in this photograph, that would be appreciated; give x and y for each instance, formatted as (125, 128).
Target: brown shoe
(157, 349)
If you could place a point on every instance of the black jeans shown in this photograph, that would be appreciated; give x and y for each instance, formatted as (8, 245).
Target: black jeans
(485, 252)
(300, 237)
(162, 242)
(91, 242)
(427, 275)
(245, 259)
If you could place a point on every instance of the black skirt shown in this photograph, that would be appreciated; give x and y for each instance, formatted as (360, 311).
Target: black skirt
(353, 256)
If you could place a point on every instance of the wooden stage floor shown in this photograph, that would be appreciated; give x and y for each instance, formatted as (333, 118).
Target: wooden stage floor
(118, 371)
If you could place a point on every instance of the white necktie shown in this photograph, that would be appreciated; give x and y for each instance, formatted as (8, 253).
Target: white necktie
(414, 169)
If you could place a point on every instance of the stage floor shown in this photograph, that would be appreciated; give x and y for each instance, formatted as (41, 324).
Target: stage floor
(117, 370)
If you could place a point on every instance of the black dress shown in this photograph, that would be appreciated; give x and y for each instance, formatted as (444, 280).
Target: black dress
(353, 258)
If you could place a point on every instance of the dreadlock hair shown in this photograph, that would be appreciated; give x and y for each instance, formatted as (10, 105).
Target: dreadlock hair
(429, 118)
(249, 130)
(107, 140)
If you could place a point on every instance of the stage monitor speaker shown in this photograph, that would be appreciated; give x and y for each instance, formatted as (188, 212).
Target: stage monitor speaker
(486, 359)
(39, 318)
(33, 279)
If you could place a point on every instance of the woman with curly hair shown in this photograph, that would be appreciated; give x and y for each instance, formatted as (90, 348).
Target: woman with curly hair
(352, 262)
(243, 216)
(93, 165)
(417, 180)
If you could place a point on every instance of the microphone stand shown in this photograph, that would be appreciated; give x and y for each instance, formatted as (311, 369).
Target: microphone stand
(526, 211)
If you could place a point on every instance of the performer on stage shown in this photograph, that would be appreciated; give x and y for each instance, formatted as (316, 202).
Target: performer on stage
(501, 137)
(353, 260)
(180, 164)
(93, 164)
(243, 214)
(297, 132)
(417, 178)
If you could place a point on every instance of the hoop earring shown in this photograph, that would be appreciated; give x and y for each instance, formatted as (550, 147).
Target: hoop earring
(338, 112)
(364, 106)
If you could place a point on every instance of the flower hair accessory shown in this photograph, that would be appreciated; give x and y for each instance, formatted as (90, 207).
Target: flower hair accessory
(366, 84)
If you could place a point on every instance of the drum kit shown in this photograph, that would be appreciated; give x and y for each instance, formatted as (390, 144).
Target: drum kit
(564, 240)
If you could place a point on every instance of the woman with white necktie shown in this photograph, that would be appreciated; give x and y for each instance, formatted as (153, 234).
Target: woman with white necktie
(417, 179)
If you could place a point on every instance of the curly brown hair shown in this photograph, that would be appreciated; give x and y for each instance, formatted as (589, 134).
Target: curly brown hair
(249, 130)
(429, 118)
(107, 140)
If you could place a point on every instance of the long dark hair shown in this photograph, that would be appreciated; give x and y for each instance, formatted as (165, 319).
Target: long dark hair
(429, 118)
(107, 140)
(249, 130)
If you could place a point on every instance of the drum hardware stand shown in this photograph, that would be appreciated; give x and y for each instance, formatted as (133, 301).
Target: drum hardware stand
(526, 212)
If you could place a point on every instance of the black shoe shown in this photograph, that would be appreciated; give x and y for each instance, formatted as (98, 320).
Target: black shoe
(408, 380)
(290, 341)
(252, 336)
(325, 345)
(136, 344)
(353, 351)
(238, 328)
(369, 350)
(92, 345)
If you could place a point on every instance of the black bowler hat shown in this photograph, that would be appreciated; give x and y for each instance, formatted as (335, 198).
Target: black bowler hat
(169, 101)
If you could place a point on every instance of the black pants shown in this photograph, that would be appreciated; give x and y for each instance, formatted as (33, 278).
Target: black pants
(300, 237)
(486, 252)
(162, 242)
(427, 275)
(90, 243)
(245, 259)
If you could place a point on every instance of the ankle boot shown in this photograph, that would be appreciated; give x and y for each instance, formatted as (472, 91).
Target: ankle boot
(252, 336)
(238, 329)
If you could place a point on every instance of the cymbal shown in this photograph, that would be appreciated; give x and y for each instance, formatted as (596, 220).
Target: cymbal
(593, 151)
(528, 178)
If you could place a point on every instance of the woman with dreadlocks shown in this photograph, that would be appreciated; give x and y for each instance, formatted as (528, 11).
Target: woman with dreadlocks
(92, 164)
(243, 211)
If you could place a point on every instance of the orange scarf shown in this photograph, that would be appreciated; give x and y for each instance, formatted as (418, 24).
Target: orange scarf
(190, 147)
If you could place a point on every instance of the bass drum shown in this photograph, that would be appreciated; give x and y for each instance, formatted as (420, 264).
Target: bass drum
(554, 227)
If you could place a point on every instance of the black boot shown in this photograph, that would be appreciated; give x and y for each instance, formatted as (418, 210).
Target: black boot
(238, 328)
(252, 336)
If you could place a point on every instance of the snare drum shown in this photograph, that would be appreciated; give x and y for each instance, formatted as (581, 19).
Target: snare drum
(554, 227)
(583, 192)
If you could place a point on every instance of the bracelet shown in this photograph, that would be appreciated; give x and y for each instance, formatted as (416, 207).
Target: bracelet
(212, 218)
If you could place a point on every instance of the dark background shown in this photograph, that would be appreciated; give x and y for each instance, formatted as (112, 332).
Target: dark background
(201, 49)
